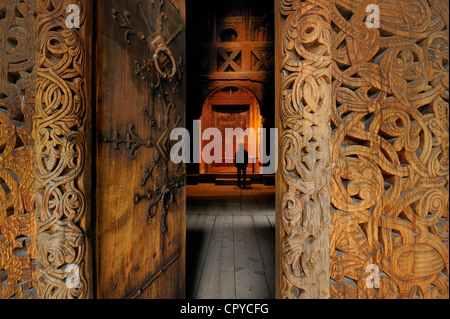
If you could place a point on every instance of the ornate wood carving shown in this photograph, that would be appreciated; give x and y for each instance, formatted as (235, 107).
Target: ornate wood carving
(163, 71)
(387, 145)
(390, 150)
(61, 108)
(17, 218)
(304, 149)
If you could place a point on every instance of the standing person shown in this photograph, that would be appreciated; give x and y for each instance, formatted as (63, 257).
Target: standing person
(241, 163)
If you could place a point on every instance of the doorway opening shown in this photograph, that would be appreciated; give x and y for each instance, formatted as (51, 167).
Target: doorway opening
(230, 85)
(231, 110)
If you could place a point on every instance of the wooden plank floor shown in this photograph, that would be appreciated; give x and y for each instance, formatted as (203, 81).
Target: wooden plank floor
(230, 242)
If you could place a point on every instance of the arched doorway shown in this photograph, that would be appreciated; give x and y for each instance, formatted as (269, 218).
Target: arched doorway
(235, 113)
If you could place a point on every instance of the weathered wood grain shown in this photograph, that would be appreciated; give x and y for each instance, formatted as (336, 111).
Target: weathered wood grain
(364, 171)
(140, 196)
(265, 239)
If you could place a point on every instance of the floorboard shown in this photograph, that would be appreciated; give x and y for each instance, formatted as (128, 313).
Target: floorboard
(217, 280)
(250, 276)
(198, 240)
(265, 239)
(230, 242)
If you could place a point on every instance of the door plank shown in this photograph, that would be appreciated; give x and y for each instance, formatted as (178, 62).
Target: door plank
(140, 212)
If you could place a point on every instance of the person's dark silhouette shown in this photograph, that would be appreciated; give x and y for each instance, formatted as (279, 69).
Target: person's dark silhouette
(241, 163)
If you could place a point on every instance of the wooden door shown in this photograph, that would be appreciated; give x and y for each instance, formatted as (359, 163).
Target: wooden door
(140, 193)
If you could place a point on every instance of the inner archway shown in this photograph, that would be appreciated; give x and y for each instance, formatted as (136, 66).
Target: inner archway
(235, 110)
(230, 230)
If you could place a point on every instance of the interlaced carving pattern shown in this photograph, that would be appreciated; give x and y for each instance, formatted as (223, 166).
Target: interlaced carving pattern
(390, 173)
(378, 155)
(305, 148)
(17, 219)
(60, 152)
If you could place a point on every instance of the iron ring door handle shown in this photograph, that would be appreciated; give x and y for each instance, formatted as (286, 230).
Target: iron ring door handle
(165, 49)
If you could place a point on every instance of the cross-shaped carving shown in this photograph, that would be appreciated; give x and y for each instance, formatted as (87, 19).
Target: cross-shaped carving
(263, 60)
(229, 60)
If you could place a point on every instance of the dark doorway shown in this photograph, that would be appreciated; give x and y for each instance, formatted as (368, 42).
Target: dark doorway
(230, 82)
(230, 46)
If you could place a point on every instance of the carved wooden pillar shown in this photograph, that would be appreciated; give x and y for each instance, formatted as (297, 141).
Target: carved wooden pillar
(303, 85)
(62, 165)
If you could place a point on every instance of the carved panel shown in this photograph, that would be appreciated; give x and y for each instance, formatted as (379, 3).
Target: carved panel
(61, 106)
(390, 140)
(305, 98)
(17, 219)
